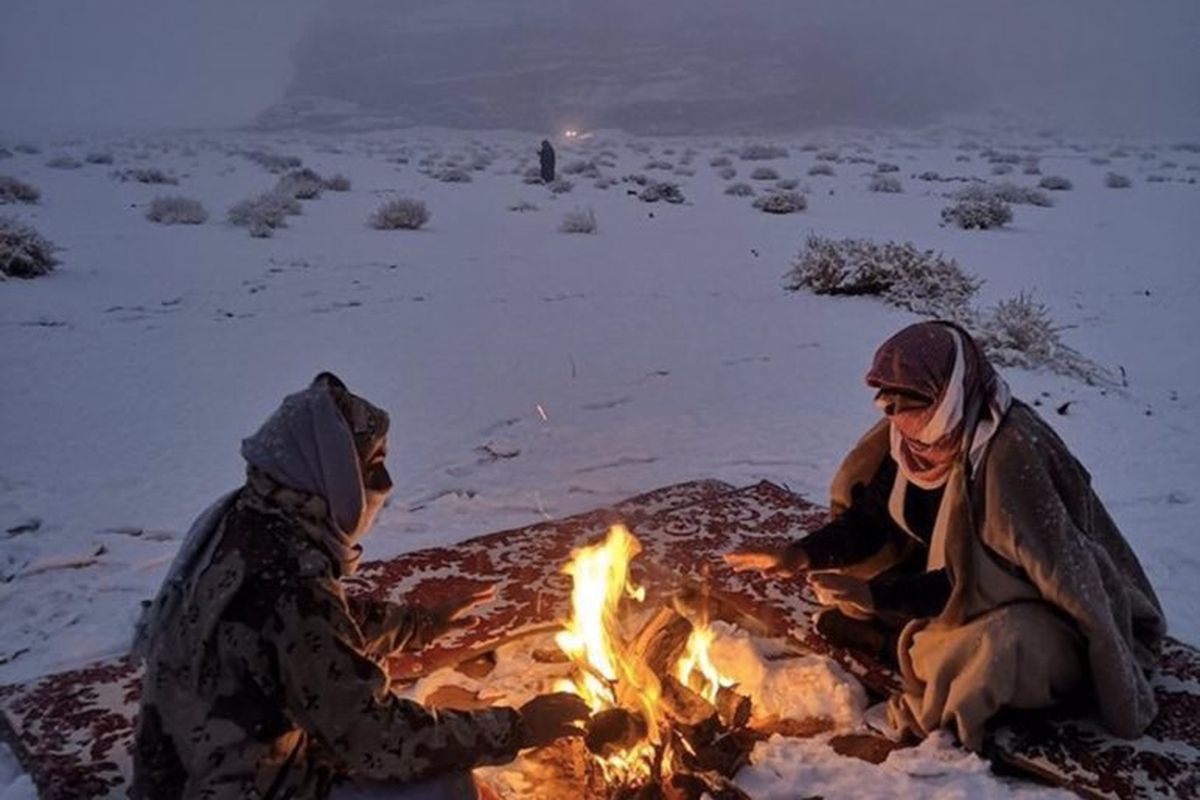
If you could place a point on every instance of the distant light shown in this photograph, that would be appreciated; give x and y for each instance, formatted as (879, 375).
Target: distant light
(570, 133)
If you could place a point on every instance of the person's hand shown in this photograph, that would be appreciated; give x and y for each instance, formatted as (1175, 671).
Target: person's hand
(455, 613)
(850, 595)
(552, 716)
(768, 562)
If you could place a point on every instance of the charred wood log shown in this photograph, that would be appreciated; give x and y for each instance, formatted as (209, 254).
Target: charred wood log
(734, 709)
(613, 731)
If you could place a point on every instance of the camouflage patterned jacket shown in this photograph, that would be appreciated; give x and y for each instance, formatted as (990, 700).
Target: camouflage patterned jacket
(267, 686)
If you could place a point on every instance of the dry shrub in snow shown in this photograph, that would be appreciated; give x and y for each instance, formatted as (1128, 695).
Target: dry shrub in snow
(401, 214)
(532, 175)
(24, 253)
(99, 158)
(1115, 180)
(272, 162)
(13, 190)
(978, 214)
(27, 149)
(739, 190)
(929, 175)
(762, 152)
(787, 184)
(918, 280)
(264, 213)
(764, 174)
(560, 186)
(1002, 169)
(581, 220)
(658, 164)
(176, 210)
(720, 161)
(522, 206)
(586, 169)
(1019, 332)
(150, 175)
(336, 183)
(64, 162)
(1005, 193)
(821, 169)
(885, 184)
(781, 203)
(661, 190)
(453, 175)
(1055, 183)
(883, 166)
(302, 184)
(727, 173)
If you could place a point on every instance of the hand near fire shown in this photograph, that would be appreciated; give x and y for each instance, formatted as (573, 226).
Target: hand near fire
(850, 595)
(552, 716)
(454, 613)
(775, 563)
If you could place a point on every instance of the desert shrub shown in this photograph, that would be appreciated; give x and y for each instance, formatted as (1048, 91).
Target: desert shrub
(453, 175)
(686, 172)
(581, 220)
(781, 203)
(1157, 179)
(14, 190)
(962, 158)
(64, 162)
(829, 155)
(1115, 180)
(1001, 158)
(586, 169)
(978, 214)
(523, 206)
(263, 214)
(739, 190)
(762, 152)
(657, 163)
(532, 175)
(1031, 168)
(929, 175)
(1019, 332)
(787, 184)
(727, 173)
(401, 214)
(99, 157)
(560, 186)
(272, 162)
(764, 174)
(667, 192)
(149, 175)
(821, 169)
(605, 182)
(720, 161)
(1055, 183)
(902, 275)
(24, 253)
(886, 184)
(883, 166)
(336, 183)
(302, 184)
(1002, 169)
(176, 210)
(1005, 193)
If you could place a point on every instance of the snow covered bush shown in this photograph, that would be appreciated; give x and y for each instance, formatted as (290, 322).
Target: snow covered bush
(14, 190)
(453, 175)
(1005, 193)
(523, 206)
(762, 152)
(667, 192)
(149, 175)
(64, 162)
(978, 214)
(1115, 180)
(929, 175)
(302, 184)
(264, 213)
(739, 190)
(886, 184)
(764, 174)
(27, 149)
(401, 214)
(581, 220)
(658, 163)
(720, 161)
(336, 183)
(787, 184)
(532, 175)
(586, 169)
(560, 186)
(883, 166)
(829, 155)
(99, 157)
(24, 253)
(176, 210)
(1055, 183)
(902, 275)
(781, 203)
(821, 169)
(1019, 332)
(272, 162)
(727, 173)
(1002, 169)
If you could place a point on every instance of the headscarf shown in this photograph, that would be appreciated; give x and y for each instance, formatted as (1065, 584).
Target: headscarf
(940, 361)
(315, 443)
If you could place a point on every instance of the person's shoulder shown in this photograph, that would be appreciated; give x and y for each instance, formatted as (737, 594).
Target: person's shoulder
(1024, 437)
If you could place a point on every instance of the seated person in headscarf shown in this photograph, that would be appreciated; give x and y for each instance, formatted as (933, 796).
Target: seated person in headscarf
(968, 545)
(262, 679)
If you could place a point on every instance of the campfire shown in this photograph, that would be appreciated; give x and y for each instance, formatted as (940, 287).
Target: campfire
(665, 723)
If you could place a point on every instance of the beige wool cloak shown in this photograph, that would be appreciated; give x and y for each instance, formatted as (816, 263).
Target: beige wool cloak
(1048, 600)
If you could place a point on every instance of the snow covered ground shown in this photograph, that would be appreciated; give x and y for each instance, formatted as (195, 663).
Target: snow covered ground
(532, 373)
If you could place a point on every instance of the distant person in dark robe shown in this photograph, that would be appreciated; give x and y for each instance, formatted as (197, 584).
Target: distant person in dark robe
(546, 154)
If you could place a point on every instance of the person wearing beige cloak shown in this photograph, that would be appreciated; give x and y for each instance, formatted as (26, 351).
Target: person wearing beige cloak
(968, 545)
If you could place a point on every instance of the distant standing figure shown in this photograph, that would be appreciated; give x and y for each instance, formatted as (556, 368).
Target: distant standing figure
(547, 156)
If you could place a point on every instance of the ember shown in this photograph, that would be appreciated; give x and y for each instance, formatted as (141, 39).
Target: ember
(665, 722)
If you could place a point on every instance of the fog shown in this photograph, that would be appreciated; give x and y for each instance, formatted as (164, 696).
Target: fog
(648, 66)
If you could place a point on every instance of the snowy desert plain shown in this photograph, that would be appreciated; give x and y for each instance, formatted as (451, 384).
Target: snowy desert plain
(532, 373)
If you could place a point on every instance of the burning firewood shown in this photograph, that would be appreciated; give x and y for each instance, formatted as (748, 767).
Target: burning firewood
(614, 731)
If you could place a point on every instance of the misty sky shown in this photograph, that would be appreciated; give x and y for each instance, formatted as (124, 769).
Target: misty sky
(651, 66)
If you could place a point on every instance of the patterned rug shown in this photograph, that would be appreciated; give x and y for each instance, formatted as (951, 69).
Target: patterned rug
(72, 731)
